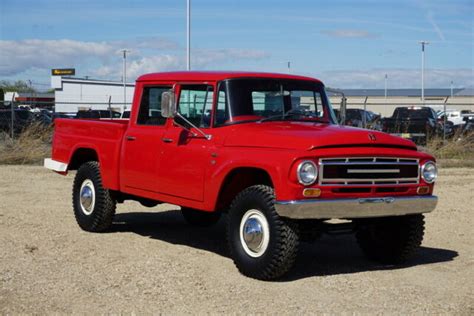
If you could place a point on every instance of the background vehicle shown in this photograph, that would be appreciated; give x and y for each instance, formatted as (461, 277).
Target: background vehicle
(415, 123)
(125, 114)
(22, 119)
(264, 148)
(455, 117)
(97, 114)
(356, 117)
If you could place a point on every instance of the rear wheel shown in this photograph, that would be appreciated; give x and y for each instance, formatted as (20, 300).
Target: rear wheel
(262, 244)
(391, 239)
(200, 218)
(94, 208)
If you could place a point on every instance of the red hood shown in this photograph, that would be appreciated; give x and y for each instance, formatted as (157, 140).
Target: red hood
(306, 135)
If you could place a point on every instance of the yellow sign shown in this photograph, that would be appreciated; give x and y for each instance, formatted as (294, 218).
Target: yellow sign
(63, 72)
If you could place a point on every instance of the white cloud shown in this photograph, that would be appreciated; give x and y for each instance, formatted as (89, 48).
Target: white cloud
(201, 59)
(397, 78)
(436, 28)
(20, 56)
(102, 58)
(349, 33)
(139, 66)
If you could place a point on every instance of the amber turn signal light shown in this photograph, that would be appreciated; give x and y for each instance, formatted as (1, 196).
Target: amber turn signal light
(423, 190)
(311, 192)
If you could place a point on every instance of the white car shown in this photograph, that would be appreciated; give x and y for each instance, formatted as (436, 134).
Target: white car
(455, 116)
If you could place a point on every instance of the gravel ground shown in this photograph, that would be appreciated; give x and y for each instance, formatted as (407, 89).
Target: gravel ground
(154, 262)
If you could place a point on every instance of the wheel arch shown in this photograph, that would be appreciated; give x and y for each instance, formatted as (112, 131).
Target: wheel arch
(239, 178)
(82, 155)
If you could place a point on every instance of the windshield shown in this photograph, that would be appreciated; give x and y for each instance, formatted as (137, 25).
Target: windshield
(263, 99)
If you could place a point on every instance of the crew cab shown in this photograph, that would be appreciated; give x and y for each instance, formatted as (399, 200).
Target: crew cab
(262, 148)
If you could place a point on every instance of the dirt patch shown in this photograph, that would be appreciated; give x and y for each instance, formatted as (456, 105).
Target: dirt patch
(154, 262)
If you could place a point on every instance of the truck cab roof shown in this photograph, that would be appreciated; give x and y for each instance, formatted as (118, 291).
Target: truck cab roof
(216, 76)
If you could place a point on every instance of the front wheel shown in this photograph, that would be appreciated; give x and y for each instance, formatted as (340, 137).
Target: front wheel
(93, 205)
(391, 239)
(262, 244)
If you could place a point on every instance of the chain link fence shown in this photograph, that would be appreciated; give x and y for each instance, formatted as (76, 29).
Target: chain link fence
(359, 112)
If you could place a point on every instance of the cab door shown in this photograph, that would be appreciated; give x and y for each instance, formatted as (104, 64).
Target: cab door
(142, 143)
(186, 154)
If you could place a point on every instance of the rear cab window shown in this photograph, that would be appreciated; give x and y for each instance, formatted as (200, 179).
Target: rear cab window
(150, 106)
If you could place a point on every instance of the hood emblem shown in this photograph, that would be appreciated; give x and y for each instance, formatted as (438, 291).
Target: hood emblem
(372, 137)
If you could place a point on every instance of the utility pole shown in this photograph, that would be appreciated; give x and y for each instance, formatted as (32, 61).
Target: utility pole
(452, 88)
(289, 67)
(124, 78)
(423, 43)
(386, 85)
(188, 35)
(31, 93)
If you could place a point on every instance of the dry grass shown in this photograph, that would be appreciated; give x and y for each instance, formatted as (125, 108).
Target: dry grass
(30, 147)
(455, 152)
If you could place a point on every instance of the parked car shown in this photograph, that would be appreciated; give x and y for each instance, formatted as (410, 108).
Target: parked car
(416, 123)
(57, 115)
(97, 114)
(455, 117)
(22, 118)
(241, 143)
(355, 117)
(126, 114)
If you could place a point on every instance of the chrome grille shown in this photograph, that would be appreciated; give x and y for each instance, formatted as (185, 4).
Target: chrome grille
(368, 171)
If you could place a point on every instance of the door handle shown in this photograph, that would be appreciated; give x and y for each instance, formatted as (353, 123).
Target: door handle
(167, 140)
(131, 138)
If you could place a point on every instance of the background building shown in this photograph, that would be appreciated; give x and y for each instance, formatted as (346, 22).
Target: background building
(32, 99)
(374, 99)
(73, 94)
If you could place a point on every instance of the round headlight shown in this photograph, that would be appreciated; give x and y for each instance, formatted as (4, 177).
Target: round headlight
(307, 172)
(429, 172)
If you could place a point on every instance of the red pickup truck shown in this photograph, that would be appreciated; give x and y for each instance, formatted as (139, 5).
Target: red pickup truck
(263, 148)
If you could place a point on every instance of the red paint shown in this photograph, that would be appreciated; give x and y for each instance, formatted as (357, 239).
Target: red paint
(189, 170)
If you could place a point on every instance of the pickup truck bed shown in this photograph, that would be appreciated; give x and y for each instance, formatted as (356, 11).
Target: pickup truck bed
(103, 136)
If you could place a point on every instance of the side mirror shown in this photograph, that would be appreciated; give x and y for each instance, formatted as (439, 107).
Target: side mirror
(168, 104)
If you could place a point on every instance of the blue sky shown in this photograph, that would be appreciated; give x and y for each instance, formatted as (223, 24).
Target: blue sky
(347, 44)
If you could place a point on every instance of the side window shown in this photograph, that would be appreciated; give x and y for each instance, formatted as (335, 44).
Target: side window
(195, 104)
(150, 106)
(221, 113)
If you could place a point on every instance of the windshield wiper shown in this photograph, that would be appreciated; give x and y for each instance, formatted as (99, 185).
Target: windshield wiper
(283, 116)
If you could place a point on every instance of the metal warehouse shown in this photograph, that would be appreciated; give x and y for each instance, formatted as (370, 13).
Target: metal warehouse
(74, 94)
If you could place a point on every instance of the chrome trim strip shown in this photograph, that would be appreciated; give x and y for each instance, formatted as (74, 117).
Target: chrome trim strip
(55, 165)
(368, 163)
(373, 170)
(372, 159)
(356, 208)
(368, 180)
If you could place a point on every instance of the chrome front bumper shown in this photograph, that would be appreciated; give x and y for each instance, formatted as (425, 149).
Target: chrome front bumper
(356, 208)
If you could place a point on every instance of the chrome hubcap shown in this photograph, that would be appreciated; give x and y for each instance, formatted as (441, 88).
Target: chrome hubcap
(87, 197)
(254, 233)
